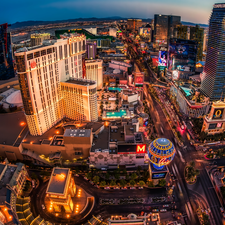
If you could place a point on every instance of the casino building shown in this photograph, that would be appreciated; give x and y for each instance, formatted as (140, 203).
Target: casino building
(214, 122)
(61, 188)
(44, 72)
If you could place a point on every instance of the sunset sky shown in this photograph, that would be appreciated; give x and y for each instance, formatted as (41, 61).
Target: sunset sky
(197, 11)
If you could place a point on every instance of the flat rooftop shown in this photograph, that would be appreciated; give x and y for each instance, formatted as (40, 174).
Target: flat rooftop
(116, 134)
(58, 181)
(81, 82)
(11, 127)
(77, 133)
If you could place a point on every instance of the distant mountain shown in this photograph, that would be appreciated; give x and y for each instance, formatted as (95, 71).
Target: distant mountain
(37, 23)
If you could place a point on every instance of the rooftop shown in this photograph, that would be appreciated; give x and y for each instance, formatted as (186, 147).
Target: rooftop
(81, 81)
(77, 133)
(58, 181)
(11, 126)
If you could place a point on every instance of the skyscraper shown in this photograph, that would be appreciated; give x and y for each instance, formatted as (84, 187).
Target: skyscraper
(6, 58)
(213, 76)
(134, 24)
(164, 28)
(197, 34)
(45, 74)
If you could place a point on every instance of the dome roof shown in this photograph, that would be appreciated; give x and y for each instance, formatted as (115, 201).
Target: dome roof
(161, 152)
(14, 98)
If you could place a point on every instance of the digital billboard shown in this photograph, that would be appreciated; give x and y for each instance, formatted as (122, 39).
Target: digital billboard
(182, 55)
(218, 113)
(162, 58)
(132, 149)
(139, 79)
(159, 175)
(213, 126)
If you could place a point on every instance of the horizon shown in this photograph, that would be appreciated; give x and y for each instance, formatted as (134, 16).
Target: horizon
(65, 10)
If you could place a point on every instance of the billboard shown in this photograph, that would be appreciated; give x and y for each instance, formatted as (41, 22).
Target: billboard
(162, 58)
(182, 55)
(139, 79)
(218, 113)
(159, 175)
(132, 149)
(213, 126)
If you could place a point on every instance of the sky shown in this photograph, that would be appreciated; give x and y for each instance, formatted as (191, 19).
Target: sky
(11, 11)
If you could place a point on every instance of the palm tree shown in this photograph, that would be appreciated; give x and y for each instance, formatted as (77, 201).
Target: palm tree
(112, 183)
(107, 176)
(162, 183)
(89, 175)
(96, 179)
(102, 183)
(133, 176)
(132, 182)
(123, 183)
(141, 183)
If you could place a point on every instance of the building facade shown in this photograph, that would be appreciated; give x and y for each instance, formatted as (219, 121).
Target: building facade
(164, 28)
(61, 188)
(79, 99)
(214, 122)
(213, 76)
(40, 71)
(134, 24)
(94, 71)
(38, 38)
(6, 57)
(91, 50)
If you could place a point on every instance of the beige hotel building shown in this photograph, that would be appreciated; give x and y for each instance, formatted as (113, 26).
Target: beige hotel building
(50, 77)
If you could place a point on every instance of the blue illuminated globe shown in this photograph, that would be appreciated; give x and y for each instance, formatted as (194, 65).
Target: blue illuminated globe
(161, 152)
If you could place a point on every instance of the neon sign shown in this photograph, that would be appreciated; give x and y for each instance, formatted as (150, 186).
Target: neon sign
(33, 65)
(141, 149)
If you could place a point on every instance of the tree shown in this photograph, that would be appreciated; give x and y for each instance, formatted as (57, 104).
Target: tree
(124, 171)
(132, 182)
(112, 183)
(151, 184)
(205, 219)
(123, 183)
(102, 183)
(133, 176)
(107, 176)
(96, 179)
(89, 175)
(117, 176)
(33, 176)
(141, 183)
(162, 183)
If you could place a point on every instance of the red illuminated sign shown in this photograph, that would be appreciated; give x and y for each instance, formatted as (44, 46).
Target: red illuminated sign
(141, 149)
(33, 65)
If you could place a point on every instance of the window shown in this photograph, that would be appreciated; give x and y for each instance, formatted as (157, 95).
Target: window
(43, 52)
(30, 56)
(36, 54)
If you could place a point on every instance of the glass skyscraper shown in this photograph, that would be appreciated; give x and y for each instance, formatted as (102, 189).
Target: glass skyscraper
(6, 59)
(213, 77)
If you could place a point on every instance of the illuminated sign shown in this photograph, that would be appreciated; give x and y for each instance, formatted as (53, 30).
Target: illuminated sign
(141, 149)
(218, 113)
(162, 58)
(158, 175)
(74, 39)
(139, 79)
(164, 161)
(33, 65)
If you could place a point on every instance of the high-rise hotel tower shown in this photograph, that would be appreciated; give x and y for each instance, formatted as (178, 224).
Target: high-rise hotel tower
(213, 76)
(41, 71)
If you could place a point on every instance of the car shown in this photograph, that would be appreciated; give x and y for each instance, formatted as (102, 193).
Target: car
(85, 178)
(76, 175)
(96, 186)
(132, 187)
(124, 188)
(43, 207)
(221, 209)
(223, 215)
(163, 210)
(91, 182)
(107, 188)
(116, 187)
(165, 206)
(140, 188)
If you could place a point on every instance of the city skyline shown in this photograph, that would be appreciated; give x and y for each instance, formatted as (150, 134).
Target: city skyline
(63, 10)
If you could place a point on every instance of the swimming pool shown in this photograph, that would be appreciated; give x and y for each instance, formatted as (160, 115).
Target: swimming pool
(187, 91)
(121, 113)
(114, 89)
